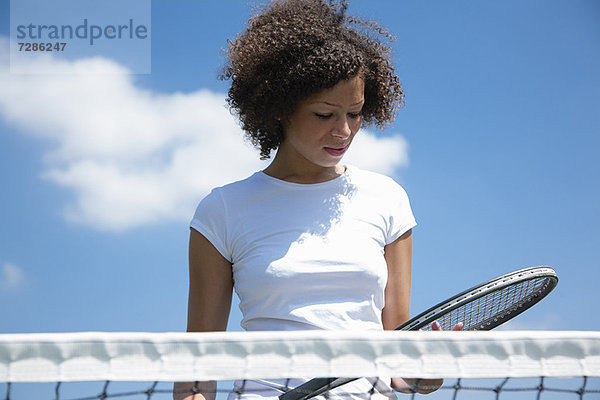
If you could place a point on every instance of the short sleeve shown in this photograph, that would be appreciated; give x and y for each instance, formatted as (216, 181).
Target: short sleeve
(210, 219)
(401, 218)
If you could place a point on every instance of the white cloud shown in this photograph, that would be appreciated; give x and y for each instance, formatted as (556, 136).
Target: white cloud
(133, 156)
(11, 276)
(381, 154)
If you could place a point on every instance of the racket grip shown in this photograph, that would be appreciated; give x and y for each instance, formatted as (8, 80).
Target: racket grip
(314, 387)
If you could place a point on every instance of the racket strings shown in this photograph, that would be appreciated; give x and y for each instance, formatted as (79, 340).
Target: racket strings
(476, 314)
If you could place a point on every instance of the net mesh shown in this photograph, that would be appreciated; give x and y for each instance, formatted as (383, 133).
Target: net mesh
(465, 389)
(481, 313)
(475, 365)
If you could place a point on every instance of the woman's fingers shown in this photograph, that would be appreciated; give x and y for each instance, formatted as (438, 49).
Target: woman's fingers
(416, 385)
(458, 327)
(435, 326)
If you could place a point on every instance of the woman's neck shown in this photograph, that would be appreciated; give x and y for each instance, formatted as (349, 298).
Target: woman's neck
(302, 171)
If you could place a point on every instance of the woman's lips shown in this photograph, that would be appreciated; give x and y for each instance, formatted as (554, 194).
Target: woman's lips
(336, 151)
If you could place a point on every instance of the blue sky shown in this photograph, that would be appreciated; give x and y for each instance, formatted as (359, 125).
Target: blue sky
(497, 147)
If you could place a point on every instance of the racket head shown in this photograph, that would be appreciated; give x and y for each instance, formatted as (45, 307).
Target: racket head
(490, 304)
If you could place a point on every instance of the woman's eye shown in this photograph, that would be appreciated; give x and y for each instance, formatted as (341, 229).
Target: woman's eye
(323, 116)
(354, 115)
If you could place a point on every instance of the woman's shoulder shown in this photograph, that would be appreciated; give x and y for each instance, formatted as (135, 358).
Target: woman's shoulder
(373, 180)
(226, 199)
(238, 187)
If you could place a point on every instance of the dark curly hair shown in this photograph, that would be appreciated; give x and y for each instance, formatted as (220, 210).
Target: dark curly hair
(296, 48)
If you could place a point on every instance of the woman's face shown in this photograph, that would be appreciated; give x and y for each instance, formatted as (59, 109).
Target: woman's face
(322, 127)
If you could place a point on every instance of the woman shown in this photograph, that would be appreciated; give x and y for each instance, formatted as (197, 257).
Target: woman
(308, 243)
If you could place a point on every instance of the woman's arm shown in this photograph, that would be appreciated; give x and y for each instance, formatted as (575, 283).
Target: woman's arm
(209, 301)
(398, 256)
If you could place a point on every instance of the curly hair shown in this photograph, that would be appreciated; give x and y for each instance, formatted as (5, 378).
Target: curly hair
(296, 48)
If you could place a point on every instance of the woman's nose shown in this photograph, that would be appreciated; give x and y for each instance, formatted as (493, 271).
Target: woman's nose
(342, 128)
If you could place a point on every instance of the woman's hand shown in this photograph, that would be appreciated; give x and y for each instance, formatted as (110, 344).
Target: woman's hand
(422, 386)
(194, 390)
(435, 326)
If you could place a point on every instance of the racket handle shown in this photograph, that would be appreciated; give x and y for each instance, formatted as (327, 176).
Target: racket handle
(314, 387)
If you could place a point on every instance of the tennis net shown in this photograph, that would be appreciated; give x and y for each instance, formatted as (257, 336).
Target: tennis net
(475, 365)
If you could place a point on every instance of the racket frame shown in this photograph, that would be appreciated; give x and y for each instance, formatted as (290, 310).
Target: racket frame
(478, 291)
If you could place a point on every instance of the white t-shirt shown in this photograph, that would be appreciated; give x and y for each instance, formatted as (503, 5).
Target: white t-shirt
(307, 256)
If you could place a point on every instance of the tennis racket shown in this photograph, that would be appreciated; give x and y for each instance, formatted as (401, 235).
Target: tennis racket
(480, 308)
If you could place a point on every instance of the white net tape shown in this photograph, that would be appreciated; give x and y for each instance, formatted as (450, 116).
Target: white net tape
(257, 355)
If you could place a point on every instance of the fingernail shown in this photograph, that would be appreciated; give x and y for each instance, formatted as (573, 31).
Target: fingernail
(436, 325)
